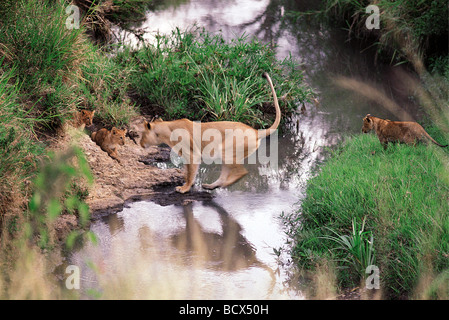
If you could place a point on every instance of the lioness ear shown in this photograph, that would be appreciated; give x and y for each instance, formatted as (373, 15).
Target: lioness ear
(147, 125)
(114, 130)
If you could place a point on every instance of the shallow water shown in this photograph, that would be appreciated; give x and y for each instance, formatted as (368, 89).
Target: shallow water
(227, 248)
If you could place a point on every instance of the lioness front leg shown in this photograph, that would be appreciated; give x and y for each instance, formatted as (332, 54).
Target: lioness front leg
(189, 174)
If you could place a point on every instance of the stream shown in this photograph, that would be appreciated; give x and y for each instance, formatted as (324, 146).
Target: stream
(234, 246)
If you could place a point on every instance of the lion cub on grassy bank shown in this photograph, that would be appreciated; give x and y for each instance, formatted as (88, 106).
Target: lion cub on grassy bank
(224, 142)
(109, 140)
(396, 131)
(83, 118)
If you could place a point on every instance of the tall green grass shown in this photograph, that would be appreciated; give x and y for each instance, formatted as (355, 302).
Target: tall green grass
(402, 196)
(199, 75)
(105, 88)
(45, 57)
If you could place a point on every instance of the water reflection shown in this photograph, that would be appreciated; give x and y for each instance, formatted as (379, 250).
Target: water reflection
(203, 242)
(227, 250)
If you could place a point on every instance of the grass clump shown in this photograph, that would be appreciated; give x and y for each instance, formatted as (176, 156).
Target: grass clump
(198, 75)
(399, 196)
(19, 154)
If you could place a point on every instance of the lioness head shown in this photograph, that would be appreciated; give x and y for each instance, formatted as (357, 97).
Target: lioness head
(368, 124)
(149, 135)
(118, 136)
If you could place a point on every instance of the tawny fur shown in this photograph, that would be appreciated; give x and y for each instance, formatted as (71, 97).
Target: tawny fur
(109, 140)
(158, 132)
(83, 118)
(408, 132)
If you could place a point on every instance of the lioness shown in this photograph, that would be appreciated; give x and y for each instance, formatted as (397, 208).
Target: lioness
(109, 140)
(195, 145)
(396, 131)
(83, 118)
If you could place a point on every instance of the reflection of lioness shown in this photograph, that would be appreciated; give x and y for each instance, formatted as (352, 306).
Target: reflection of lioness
(109, 140)
(226, 142)
(396, 131)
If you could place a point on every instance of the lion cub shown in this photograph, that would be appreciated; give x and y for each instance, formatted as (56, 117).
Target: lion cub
(83, 118)
(408, 132)
(109, 140)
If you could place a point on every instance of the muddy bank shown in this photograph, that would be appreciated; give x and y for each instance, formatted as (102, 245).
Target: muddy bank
(115, 183)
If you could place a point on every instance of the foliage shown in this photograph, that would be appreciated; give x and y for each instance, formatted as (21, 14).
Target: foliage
(50, 198)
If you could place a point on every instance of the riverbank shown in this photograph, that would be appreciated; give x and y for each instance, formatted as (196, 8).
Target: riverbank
(52, 183)
(367, 206)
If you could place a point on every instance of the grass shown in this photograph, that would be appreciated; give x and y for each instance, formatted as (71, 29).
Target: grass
(45, 57)
(105, 89)
(198, 75)
(19, 154)
(401, 195)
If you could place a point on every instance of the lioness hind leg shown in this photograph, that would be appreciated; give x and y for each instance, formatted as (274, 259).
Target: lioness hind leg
(238, 171)
(189, 175)
(230, 173)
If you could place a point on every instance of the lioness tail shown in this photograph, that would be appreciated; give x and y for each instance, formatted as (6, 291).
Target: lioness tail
(431, 139)
(270, 130)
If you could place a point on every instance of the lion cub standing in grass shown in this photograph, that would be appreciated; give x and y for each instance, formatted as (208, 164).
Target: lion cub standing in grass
(109, 140)
(228, 142)
(396, 131)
